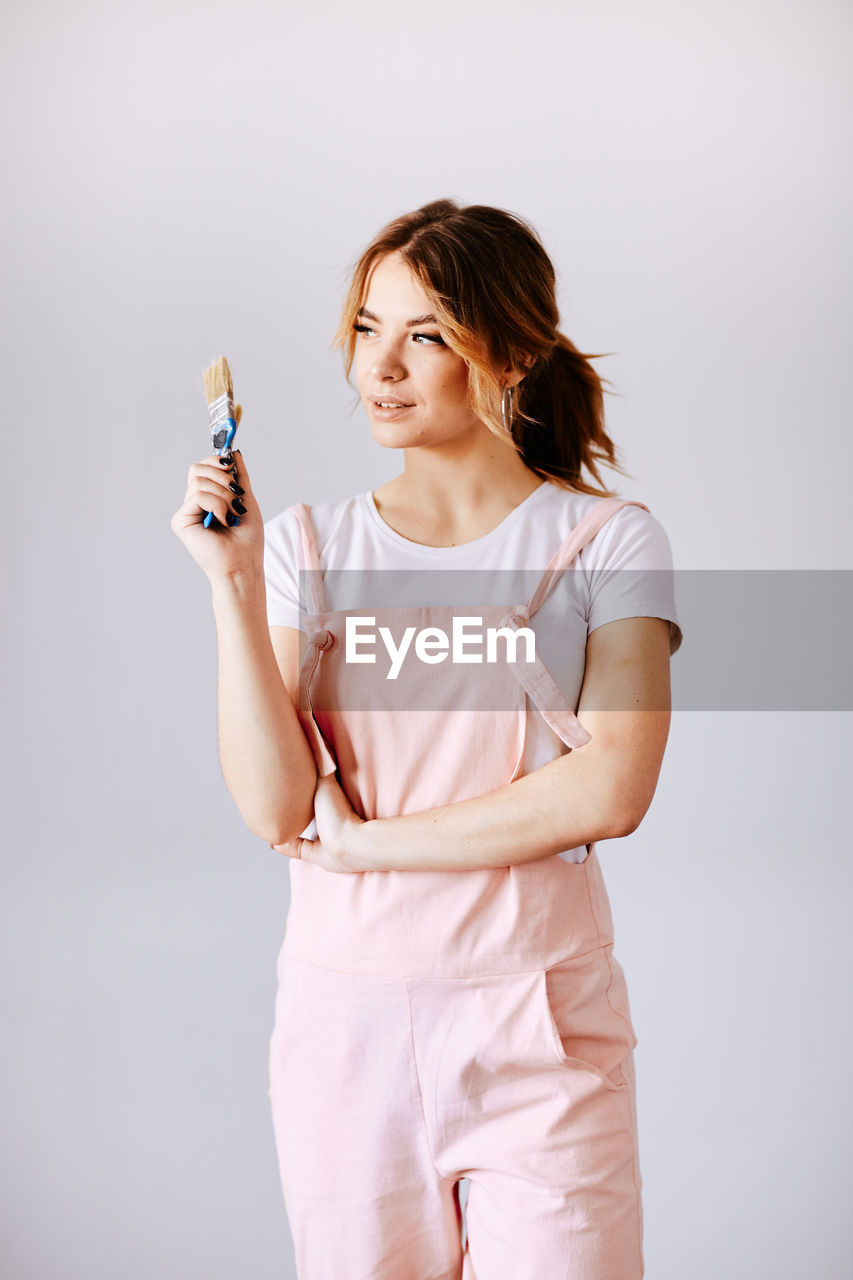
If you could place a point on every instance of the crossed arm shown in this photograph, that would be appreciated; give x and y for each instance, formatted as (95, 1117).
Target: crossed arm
(596, 792)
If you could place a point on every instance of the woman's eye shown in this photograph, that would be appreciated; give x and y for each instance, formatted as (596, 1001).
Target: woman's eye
(434, 339)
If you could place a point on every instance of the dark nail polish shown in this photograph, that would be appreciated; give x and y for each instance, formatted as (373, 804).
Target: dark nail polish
(235, 488)
(232, 520)
(223, 462)
(238, 507)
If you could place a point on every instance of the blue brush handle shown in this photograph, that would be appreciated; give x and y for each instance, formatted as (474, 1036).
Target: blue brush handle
(210, 518)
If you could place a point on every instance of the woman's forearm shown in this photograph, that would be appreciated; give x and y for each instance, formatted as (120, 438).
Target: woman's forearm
(588, 795)
(267, 762)
(597, 792)
(521, 822)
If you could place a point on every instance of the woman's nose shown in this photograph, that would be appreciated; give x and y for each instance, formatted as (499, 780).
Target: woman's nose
(387, 363)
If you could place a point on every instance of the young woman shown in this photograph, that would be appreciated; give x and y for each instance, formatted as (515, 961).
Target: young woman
(449, 1004)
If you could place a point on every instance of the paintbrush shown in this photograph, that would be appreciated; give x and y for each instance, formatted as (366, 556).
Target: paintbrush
(224, 417)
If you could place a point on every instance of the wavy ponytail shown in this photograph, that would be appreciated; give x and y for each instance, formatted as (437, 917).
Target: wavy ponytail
(559, 427)
(491, 286)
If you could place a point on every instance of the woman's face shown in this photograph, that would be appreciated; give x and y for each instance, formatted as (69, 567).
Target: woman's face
(413, 386)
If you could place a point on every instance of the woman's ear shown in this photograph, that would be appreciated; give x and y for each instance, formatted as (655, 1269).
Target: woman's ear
(510, 376)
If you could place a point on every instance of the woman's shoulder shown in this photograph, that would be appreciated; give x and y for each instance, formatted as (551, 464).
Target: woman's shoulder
(630, 528)
(325, 518)
(628, 562)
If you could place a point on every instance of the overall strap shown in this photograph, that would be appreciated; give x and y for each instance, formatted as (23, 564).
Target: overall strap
(535, 678)
(582, 534)
(310, 557)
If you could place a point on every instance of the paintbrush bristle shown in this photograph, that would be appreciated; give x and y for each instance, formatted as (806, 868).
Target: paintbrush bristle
(217, 380)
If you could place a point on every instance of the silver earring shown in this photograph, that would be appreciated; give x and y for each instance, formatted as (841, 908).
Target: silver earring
(507, 410)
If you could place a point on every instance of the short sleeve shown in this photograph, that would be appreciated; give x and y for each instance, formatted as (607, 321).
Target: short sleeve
(630, 572)
(285, 607)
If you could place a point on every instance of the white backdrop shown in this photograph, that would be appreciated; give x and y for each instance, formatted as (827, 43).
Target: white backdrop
(185, 179)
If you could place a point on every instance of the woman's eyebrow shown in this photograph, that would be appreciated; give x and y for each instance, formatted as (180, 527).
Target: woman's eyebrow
(410, 324)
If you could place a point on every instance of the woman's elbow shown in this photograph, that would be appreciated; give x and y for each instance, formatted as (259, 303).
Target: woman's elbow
(615, 824)
(625, 812)
(279, 827)
(626, 823)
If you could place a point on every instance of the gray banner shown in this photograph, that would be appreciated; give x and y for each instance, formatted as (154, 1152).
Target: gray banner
(754, 640)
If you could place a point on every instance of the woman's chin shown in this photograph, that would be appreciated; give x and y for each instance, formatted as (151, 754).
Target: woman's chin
(390, 436)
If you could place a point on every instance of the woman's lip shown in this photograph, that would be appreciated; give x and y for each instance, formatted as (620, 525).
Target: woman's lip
(388, 414)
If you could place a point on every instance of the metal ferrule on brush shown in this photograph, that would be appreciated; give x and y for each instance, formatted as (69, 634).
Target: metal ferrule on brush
(223, 424)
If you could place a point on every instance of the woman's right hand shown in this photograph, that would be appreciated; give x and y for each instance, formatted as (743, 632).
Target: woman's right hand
(223, 551)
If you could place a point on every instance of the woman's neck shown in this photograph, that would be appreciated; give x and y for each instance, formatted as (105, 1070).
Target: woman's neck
(440, 504)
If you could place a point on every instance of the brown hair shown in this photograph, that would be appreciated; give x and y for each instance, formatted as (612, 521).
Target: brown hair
(491, 286)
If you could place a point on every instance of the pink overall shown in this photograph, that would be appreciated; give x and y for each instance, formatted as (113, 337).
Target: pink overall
(432, 1026)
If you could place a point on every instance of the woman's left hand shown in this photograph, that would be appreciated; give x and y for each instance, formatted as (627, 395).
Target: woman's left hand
(336, 821)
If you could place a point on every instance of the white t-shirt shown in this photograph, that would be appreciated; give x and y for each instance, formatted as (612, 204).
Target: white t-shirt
(625, 571)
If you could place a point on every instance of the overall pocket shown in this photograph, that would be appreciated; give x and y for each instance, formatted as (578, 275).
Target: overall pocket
(586, 1003)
